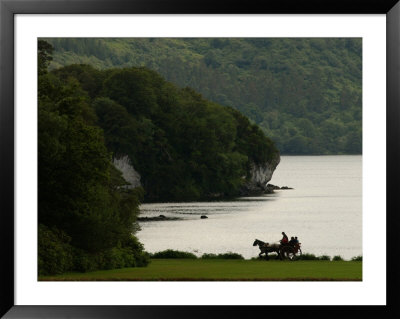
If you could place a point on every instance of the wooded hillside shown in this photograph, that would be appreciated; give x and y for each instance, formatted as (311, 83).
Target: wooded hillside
(304, 93)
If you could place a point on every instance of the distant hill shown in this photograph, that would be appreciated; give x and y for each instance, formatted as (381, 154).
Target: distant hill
(306, 94)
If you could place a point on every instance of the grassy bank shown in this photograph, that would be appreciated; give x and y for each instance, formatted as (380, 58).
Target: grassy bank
(220, 269)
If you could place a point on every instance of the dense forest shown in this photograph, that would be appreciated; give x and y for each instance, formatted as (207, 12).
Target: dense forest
(86, 217)
(304, 93)
(184, 147)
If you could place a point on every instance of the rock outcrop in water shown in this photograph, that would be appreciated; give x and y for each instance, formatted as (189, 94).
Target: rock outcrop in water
(271, 188)
(260, 175)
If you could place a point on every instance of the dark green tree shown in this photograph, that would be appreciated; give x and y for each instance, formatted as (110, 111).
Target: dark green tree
(86, 219)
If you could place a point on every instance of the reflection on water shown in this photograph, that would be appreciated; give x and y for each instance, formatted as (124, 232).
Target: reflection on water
(323, 210)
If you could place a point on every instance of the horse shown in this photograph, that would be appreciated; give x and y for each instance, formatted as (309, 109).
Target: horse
(267, 248)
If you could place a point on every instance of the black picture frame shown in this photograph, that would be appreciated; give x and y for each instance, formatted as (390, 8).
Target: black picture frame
(8, 8)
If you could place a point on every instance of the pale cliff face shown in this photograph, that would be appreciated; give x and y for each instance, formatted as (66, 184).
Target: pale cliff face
(128, 172)
(260, 175)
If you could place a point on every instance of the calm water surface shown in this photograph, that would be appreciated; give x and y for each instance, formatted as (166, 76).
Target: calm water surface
(324, 210)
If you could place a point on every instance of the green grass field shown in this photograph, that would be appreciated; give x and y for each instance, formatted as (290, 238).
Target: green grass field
(224, 269)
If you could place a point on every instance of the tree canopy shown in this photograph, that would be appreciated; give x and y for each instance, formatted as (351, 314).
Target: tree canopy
(86, 220)
(304, 93)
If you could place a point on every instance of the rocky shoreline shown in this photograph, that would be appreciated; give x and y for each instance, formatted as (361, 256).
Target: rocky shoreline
(162, 218)
(270, 188)
(258, 190)
(156, 218)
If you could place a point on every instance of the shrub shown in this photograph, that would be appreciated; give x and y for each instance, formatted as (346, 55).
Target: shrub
(357, 258)
(209, 256)
(308, 257)
(54, 251)
(256, 258)
(228, 255)
(169, 253)
(337, 258)
(141, 257)
(129, 255)
(56, 255)
(113, 258)
(84, 261)
(324, 257)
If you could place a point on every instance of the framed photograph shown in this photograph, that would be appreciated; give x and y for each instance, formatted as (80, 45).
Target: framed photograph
(154, 153)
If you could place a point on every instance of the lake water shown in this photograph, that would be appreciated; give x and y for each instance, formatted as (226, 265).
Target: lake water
(324, 210)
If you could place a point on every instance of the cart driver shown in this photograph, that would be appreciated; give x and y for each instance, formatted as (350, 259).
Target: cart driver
(284, 239)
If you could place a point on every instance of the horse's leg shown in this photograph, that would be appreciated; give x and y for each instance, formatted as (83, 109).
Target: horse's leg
(266, 255)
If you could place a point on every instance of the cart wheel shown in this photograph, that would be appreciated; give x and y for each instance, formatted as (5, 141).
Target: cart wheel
(288, 253)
